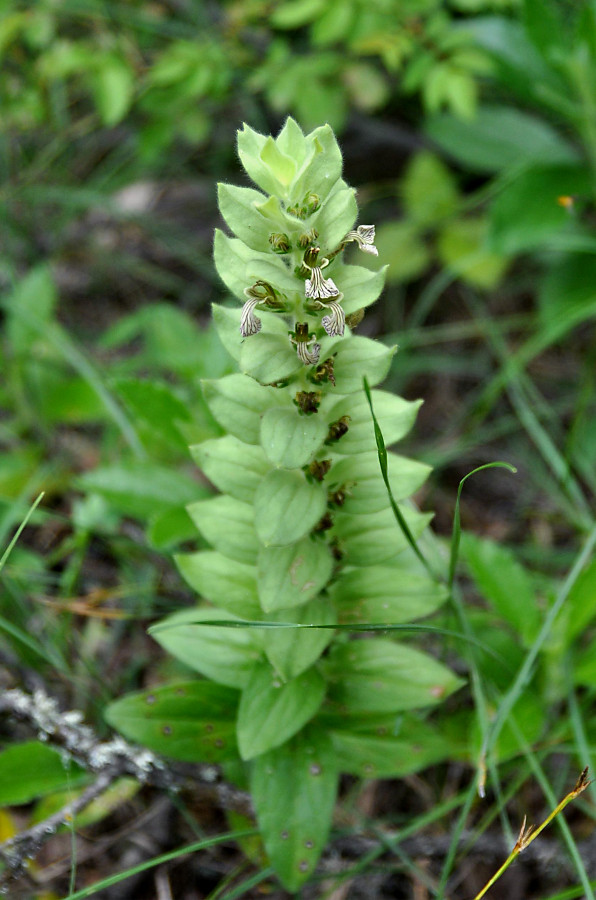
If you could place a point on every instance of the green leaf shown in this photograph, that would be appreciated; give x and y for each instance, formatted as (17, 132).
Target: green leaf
(395, 416)
(504, 583)
(33, 769)
(293, 650)
(271, 712)
(385, 595)
(238, 402)
(357, 357)
(239, 266)
(238, 206)
(462, 247)
(520, 66)
(291, 140)
(584, 668)
(291, 439)
(223, 654)
(227, 325)
(526, 212)
(169, 528)
(228, 525)
(293, 575)
(156, 405)
(322, 168)
(250, 147)
(429, 190)
(360, 286)
(416, 746)
(360, 479)
(234, 467)
(498, 137)
(223, 581)
(113, 798)
(30, 306)
(567, 295)
(274, 270)
(140, 488)
(193, 721)
(112, 85)
(580, 607)
(544, 25)
(269, 358)
(294, 789)
(287, 507)
(335, 217)
(296, 13)
(376, 537)
(369, 676)
(281, 166)
(402, 248)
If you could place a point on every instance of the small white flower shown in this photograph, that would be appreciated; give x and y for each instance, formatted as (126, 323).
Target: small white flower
(319, 288)
(364, 237)
(306, 347)
(249, 323)
(334, 324)
(309, 357)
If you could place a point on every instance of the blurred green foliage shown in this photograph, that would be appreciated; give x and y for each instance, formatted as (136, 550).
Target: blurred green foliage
(492, 215)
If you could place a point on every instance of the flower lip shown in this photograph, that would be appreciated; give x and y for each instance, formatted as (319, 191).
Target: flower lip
(319, 288)
(364, 236)
(306, 346)
(334, 324)
(249, 323)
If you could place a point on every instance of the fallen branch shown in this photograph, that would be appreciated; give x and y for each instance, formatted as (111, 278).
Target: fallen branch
(108, 759)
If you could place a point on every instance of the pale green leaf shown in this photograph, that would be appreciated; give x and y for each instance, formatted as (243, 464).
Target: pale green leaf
(291, 439)
(291, 576)
(228, 525)
(272, 711)
(192, 721)
(287, 507)
(294, 789)
(223, 654)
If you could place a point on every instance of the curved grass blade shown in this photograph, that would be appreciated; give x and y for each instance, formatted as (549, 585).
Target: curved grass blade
(382, 454)
(158, 860)
(456, 533)
(20, 529)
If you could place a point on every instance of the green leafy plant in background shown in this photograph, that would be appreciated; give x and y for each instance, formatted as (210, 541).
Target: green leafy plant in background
(305, 546)
(534, 138)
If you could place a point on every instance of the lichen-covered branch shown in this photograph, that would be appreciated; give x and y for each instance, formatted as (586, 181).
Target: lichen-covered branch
(108, 759)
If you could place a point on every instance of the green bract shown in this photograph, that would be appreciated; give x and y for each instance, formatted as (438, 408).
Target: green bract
(304, 543)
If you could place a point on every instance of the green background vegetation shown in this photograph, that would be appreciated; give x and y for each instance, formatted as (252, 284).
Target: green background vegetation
(469, 129)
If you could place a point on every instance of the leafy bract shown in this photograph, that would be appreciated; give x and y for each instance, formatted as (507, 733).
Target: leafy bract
(379, 675)
(395, 416)
(232, 465)
(228, 525)
(294, 789)
(290, 439)
(381, 594)
(292, 575)
(287, 507)
(224, 654)
(192, 721)
(272, 711)
(237, 402)
(223, 581)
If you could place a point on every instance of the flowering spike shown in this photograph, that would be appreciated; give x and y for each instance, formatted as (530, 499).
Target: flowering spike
(364, 236)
